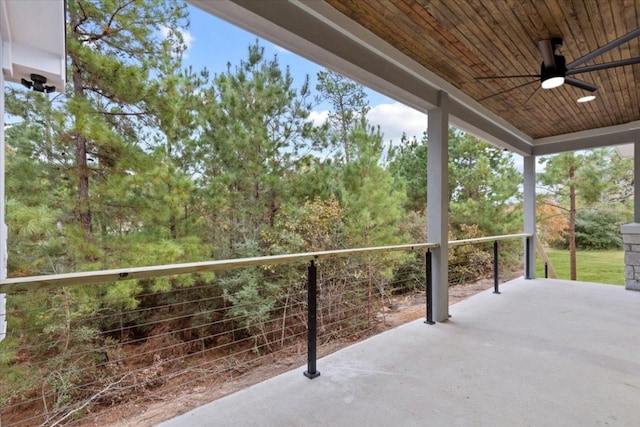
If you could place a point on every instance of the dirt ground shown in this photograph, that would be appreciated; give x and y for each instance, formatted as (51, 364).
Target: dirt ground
(168, 404)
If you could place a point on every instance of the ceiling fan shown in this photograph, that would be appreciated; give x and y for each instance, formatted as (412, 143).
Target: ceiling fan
(554, 71)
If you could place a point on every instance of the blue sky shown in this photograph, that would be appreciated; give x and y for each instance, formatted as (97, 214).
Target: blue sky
(213, 43)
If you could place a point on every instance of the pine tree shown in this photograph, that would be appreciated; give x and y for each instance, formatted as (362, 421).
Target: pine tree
(175, 103)
(408, 163)
(483, 186)
(349, 105)
(373, 202)
(584, 177)
(112, 49)
(255, 131)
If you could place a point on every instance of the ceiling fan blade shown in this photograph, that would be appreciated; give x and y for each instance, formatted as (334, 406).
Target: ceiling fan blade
(516, 76)
(535, 92)
(604, 66)
(507, 90)
(606, 48)
(580, 84)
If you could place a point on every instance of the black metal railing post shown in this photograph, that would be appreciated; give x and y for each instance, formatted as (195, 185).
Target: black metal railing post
(496, 289)
(527, 260)
(428, 288)
(546, 270)
(312, 327)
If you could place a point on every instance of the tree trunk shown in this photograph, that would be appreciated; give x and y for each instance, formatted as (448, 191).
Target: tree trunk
(572, 227)
(173, 221)
(83, 207)
(173, 228)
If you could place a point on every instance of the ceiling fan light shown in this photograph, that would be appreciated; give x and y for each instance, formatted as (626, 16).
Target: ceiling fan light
(552, 82)
(587, 98)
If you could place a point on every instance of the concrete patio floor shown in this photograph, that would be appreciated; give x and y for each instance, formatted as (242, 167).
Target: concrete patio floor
(543, 353)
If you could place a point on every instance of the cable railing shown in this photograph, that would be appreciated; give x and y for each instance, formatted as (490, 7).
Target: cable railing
(81, 343)
(476, 257)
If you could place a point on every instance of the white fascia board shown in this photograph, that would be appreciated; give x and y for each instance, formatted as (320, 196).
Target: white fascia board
(5, 29)
(33, 35)
(7, 65)
(602, 137)
(318, 32)
(26, 60)
(5, 34)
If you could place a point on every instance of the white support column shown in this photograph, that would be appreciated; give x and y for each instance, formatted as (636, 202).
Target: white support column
(529, 193)
(636, 179)
(3, 226)
(438, 204)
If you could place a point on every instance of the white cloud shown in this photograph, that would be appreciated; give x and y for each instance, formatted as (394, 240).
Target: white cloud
(518, 162)
(318, 117)
(393, 119)
(187, 38)
(396, 119)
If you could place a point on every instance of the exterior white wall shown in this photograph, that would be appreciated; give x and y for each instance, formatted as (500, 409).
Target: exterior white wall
(3, 226)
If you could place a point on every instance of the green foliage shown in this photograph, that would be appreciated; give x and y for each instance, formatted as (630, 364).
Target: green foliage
(112, 49)
(349, 108)
(469, 262)
(409, 165)
(253, 299)
(373, 202)
(483, 182)
(256, 125)
(595, 230)
(483, 186)
(589, 179)
(573, 170)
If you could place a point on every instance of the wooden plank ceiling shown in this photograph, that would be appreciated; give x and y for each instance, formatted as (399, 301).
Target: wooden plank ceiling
(461, 40)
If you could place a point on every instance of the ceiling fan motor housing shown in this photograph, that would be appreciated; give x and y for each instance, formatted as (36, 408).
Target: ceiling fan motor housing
(558, 70)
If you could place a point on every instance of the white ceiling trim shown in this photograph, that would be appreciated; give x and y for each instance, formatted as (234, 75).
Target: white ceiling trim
(593, 138)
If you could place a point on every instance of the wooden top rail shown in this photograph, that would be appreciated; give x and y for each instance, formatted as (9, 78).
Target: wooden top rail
(32, 283)
(487, 239)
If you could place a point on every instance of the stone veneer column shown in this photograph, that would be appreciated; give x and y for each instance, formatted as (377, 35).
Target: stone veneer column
(631, 243)
(631, 232)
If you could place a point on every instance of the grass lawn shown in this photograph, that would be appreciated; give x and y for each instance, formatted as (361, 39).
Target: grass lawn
(592, 266)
